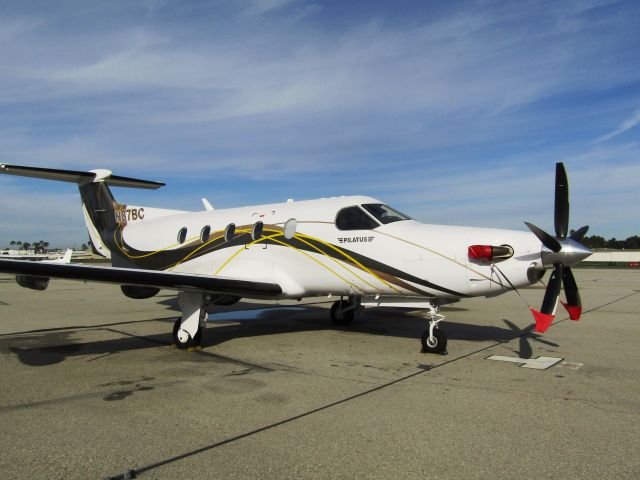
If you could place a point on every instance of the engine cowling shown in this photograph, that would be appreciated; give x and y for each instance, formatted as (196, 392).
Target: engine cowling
(224, 300)
(34, 283)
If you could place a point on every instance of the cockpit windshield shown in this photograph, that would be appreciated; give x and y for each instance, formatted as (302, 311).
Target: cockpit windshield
(384, 214)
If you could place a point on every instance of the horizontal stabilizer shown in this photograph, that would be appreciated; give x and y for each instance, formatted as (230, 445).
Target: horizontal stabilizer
(143, 278)
(78, 177)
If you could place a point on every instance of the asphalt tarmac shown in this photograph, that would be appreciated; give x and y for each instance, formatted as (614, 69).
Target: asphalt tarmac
(91, 388)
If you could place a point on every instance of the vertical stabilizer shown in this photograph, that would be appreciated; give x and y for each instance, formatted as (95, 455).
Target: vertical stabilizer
(99, 209)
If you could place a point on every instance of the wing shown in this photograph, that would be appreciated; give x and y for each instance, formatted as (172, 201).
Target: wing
(142, 278)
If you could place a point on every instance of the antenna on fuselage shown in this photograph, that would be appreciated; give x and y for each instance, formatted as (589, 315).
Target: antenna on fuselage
(207, 206)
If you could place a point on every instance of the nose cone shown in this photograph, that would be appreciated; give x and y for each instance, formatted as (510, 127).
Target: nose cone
(579, 252)
(571, 253)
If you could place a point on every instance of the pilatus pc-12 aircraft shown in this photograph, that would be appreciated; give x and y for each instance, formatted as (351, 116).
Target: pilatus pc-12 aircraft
(354, 248)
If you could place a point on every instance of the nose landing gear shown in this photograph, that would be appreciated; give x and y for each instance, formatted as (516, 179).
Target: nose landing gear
(433, 339)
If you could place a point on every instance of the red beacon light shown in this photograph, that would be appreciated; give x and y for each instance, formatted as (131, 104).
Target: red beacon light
(490, 252)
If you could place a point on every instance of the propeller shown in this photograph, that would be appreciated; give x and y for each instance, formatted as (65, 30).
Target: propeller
(560, 253)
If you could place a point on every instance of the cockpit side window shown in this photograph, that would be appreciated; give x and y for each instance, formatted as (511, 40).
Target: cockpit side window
(384, 214)
(353, 218)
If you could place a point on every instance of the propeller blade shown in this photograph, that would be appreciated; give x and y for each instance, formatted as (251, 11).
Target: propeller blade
(553, 290)
(546, 239)
(561, 217)
(579, 234)
(545, 316)
(573, 305)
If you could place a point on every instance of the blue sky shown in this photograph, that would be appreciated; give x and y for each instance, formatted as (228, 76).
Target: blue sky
(454, 112)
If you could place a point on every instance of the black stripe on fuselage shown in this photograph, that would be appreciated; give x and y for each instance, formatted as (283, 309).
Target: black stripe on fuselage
(165, 259)
(373, 265)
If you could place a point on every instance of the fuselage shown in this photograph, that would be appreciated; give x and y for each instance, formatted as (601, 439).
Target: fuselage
(336, 249)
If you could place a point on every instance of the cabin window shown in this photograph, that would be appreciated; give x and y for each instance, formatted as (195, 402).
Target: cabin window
(256, 232)
(353, 218)
(182, 235)
(205, 233)
(384, 214)
(229, 232)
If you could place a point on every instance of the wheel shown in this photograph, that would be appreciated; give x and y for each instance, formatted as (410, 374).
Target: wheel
(343, 318)
(436, 345)
(190, 341)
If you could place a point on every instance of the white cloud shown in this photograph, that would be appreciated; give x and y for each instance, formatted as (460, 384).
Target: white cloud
(472, 61)
(259, 7)
(12, 29)
(628, 124)
(475, 102)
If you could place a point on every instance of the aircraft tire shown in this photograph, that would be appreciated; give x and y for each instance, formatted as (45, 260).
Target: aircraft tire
(345, 318)
(438, 346)
(190, 342)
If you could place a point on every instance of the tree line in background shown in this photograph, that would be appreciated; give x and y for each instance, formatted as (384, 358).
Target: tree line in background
(596, 241)
(38, 247)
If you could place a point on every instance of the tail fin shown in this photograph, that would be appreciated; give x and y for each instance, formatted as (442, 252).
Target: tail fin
(66, 258)
(103, 214)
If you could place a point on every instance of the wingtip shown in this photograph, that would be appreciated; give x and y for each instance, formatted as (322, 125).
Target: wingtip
(543, 320)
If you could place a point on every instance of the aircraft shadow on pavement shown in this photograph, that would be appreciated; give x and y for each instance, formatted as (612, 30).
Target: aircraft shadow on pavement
(52, 347)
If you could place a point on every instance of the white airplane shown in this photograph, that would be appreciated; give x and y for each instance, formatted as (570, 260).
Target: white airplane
(66, 258)
(354, 248)
(39, 257)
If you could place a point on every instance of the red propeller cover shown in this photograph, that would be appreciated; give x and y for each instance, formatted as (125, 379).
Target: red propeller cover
(543, 320)
(574, 312)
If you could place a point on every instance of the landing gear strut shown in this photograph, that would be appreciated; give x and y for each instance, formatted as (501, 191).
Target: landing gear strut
(344, 311)
(433, 339)
(187, 330)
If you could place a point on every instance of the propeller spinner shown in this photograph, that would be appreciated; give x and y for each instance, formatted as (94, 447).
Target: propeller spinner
(560, 253)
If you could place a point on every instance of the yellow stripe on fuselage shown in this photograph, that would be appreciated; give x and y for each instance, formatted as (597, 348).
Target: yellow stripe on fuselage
(273, 238)
(347, 256)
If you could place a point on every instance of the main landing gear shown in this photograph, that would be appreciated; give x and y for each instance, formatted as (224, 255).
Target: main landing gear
(433, 339)
(343, 311)
(187, 330)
